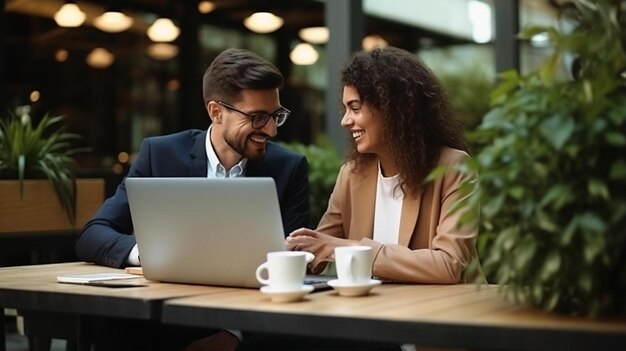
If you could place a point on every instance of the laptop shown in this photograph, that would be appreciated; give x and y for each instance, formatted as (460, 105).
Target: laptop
(210, 231)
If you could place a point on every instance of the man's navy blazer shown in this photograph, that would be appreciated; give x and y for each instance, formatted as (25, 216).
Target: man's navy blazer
(107, 238)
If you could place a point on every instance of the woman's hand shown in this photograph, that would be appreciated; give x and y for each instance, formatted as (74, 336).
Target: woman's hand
(320, 244)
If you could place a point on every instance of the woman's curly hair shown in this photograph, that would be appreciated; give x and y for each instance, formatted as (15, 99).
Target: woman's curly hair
(417, 116)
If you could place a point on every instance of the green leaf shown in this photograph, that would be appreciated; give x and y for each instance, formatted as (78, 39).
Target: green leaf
(588, 91)
(540, 169)
(492, 207)
(508, 237)
(594, 244)
(598, 188)
(546, 222)
(557, 194)
(591, 222)
(21, 172)
(557, 130)
(548, 69)
(569, 231)
(553, 300)
(436, 173)
(618, 170)
(509, 82)
(616, 139)
(550, 266)
(516, 192)
(525, 253)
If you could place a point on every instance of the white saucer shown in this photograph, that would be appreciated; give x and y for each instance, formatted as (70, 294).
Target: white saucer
(278, 295)
(353, 289)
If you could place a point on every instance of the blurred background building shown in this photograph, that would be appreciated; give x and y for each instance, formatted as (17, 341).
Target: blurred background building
(124, 70)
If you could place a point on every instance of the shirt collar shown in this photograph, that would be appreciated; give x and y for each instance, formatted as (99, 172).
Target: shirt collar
(215, 168)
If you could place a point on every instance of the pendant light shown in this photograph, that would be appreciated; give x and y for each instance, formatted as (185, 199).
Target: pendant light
(263, 22)
(100, 58)
(205, 7)
(113, 21)
(304, 54)
(163, 30)
(314, 35)
(69, 15)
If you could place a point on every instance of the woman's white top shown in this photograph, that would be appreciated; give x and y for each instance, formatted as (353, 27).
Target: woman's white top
(388, 209)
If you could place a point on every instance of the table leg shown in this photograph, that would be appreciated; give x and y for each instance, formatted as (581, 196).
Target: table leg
(83, 336)
(3, 339)
(39, 343)
(42, 327)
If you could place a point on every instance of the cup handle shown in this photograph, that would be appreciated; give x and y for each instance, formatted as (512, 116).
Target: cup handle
(259, 271)
(308, 257)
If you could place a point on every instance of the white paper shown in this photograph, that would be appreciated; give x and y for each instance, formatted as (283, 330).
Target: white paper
(94, 277)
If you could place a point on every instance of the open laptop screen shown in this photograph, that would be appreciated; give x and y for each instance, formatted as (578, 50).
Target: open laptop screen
(211, 231)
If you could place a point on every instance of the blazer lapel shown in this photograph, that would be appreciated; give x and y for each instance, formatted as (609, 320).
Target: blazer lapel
(255, 168)
(198, 156)
(408, 220)
(364, 195)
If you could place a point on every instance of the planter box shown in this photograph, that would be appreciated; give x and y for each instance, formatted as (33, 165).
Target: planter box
(39, 210)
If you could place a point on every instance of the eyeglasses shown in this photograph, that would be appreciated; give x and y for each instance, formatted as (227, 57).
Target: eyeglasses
(259, 120)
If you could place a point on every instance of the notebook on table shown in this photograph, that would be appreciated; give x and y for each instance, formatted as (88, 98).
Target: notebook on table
(210, 231)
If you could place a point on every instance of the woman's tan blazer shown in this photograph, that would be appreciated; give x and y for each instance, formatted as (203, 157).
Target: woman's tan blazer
(431, 247)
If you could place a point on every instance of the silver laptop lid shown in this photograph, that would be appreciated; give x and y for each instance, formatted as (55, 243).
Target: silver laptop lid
(211, 231)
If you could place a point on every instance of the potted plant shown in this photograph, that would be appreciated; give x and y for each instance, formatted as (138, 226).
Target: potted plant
(551, 155)
(29, 153)
(324, 164)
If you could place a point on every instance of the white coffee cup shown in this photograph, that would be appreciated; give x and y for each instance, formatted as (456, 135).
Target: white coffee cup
(285, 269)
(353, 264)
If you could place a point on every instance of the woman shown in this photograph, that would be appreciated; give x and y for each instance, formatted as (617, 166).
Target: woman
(402, 127)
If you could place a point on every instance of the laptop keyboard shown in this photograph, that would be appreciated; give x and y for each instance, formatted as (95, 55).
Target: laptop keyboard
(319, 283)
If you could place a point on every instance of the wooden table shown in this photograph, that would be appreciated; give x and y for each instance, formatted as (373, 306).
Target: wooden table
(455, 316)
(34, 291)
(429, 315)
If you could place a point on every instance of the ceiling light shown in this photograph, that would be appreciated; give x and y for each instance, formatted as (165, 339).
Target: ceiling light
(314, 35)
(173, 85)
(100, 58)
(162, 51)
(372, 42)
(163, 30)
(61, 55)
(263, 22)
(113, 21)
(205, 7)
(69, 15)
(304, 54)
(34, 96)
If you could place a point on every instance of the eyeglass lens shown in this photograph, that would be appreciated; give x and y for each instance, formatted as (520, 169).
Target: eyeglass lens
(259, 120)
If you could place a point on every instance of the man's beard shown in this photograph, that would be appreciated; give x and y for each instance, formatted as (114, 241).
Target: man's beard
(241, 149)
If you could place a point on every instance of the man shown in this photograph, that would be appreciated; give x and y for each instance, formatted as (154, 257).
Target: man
(241, 97)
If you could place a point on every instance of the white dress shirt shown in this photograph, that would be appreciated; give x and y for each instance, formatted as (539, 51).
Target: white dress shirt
(214, 170)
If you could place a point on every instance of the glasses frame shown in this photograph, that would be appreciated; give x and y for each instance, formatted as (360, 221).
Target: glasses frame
(279, 116)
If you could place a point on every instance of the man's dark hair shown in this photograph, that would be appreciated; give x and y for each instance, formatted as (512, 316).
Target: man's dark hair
(234, 70)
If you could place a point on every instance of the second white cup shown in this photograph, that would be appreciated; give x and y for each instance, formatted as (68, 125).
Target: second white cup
(285, 269)
(354, 264)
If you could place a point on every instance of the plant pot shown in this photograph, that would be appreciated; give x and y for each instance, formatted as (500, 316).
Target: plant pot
(39, 210)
